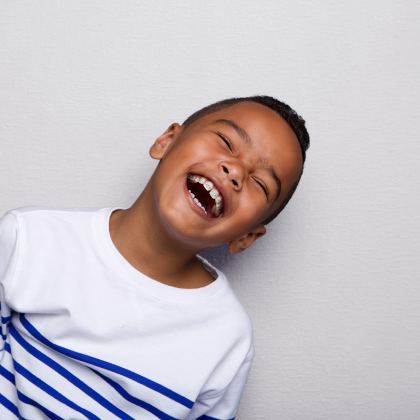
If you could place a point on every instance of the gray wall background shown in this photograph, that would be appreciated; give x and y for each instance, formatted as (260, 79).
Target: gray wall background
(333, 288)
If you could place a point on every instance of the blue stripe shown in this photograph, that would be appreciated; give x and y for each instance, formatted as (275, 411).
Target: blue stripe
(107, 365)
(81, 385)
(30, 401)
(8, 375)
(10, 406)
(49, 390)
(5, 319)
(204, 417)
(67, 374)
(160, 414)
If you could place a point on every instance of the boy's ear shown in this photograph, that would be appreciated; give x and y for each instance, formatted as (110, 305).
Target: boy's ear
(162, 143)
(245, 241)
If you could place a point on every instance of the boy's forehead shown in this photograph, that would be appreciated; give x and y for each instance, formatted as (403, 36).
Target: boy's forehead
(253, 118)
(247, 111)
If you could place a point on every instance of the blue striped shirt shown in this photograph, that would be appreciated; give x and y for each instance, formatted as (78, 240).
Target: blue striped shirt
(86, 335)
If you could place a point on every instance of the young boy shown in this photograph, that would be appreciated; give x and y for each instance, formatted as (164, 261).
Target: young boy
(111, 313)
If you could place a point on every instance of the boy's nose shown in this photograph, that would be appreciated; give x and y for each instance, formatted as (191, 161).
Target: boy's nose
(235, 174)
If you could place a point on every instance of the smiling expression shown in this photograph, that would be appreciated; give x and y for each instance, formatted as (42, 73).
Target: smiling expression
(248, 157)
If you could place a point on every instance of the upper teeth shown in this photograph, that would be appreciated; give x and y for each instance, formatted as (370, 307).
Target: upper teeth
(213, 191)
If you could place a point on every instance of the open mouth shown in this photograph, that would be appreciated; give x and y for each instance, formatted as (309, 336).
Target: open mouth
(205, 195)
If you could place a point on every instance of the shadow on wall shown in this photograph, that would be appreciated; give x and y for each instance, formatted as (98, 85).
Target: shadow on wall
(218, 256)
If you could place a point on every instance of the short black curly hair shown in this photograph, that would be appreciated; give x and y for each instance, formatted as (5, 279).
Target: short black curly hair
(295, 121)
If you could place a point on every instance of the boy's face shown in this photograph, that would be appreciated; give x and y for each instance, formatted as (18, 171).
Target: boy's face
(247, 174)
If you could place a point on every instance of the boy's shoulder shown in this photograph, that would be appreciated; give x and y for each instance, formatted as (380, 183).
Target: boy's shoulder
(39, 215)
(41, 222)
(235, 310)
(46, 210)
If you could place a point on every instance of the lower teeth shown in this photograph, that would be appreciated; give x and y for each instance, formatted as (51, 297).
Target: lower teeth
(216, 210)
(197, 202)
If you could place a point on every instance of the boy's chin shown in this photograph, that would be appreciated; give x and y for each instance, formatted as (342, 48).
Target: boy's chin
(194, 237)
(187, 232)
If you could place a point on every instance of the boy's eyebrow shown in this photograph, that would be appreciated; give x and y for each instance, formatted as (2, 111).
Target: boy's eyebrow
(247, 139)
(239, 130)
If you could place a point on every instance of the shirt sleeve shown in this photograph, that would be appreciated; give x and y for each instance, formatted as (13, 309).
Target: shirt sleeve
(8, 261)
(225, 404)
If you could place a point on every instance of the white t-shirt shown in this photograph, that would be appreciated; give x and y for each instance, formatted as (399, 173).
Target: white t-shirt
(86, 335)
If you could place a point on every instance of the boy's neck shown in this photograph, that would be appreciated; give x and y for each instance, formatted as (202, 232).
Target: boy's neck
(142, 241)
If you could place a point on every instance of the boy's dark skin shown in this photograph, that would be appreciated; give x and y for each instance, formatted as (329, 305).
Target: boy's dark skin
(161, 233)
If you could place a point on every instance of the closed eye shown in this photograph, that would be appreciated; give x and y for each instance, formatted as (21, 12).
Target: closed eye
(226, 141)
(263, 187)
